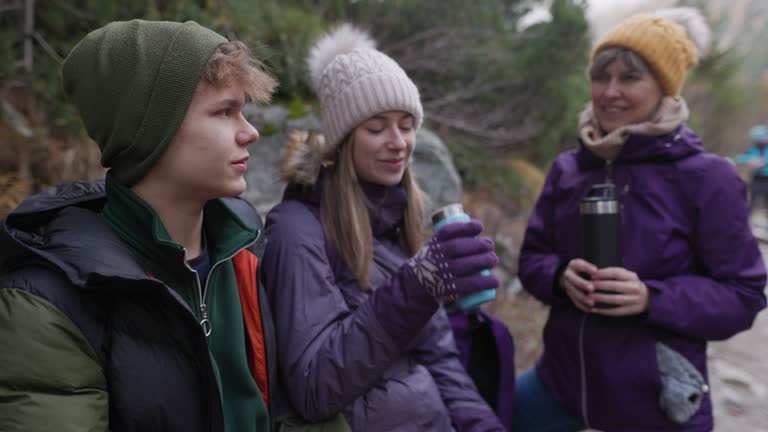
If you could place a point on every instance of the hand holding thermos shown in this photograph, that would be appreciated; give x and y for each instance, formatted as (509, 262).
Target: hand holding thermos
(450, 265)
(598, 282)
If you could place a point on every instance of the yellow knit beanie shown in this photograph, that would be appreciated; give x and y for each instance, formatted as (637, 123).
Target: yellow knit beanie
(670, 41)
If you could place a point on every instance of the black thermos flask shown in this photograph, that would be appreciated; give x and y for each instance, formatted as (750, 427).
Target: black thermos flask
(601, 228)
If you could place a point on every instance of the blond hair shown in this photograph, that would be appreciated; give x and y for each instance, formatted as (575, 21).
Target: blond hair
(233, 62)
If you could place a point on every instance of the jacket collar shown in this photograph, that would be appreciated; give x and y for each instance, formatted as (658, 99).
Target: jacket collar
(678, 144)
(62, 226)
(139, 226)
(386, 204)
(386, 208)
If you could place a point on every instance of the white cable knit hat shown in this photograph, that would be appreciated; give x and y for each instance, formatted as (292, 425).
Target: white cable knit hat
(354, 81)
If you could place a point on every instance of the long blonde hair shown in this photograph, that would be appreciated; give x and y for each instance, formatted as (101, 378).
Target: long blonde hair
(345, 220)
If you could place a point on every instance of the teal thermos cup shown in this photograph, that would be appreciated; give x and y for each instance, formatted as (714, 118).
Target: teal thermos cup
(453, 213)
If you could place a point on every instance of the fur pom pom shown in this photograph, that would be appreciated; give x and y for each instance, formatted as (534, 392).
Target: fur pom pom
(693, 22)
(305, 154)
(341, 40)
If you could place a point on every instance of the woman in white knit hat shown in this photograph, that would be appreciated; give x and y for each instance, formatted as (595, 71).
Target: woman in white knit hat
(355, 292)
(625, 345)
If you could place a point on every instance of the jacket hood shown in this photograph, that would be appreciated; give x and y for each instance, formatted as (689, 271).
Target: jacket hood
(679, 144)
(60, 227)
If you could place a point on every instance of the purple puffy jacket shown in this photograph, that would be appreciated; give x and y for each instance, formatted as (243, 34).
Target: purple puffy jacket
(342, 349)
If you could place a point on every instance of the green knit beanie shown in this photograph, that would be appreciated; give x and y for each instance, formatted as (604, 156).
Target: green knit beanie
(132, 82)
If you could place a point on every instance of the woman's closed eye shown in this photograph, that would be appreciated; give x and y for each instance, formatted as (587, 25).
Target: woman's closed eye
(375, 127)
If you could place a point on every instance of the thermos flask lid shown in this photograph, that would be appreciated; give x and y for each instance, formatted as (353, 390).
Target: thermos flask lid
(600, 199)
(599, 207)
(451, 210)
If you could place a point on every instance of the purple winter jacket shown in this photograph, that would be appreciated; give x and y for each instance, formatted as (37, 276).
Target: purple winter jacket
(685, 233)
(386, 357)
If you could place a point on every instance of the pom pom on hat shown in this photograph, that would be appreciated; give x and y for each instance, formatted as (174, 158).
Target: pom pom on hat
(343, 40)
(694, 24)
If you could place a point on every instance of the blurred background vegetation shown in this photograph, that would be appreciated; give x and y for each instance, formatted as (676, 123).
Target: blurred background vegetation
(503, 91)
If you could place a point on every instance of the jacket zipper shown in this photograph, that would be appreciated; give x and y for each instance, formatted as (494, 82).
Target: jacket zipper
(202, 291)
(582, 325)
(205, 323)
(609, 171)
(583, 370)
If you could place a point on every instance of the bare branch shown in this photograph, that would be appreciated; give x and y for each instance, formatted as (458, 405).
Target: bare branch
(499, 138)
(47, 47)
(470, 91)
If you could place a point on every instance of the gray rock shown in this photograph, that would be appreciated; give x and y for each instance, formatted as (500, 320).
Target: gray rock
(435, 171)
(309, 123)
(273, 115)
(265, 188)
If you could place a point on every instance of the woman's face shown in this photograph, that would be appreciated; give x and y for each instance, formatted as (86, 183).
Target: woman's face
(624, 96)
(383, 145)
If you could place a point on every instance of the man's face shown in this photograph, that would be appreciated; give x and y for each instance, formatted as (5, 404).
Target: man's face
(208, 156)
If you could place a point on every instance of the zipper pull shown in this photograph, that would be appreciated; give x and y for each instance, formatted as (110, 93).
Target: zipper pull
(205, 323)
(609, 171)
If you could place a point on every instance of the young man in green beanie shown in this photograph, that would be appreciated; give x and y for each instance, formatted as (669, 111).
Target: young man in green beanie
(133, 304)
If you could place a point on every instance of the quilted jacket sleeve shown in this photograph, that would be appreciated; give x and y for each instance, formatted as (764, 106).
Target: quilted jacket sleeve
(539, 265)
(50, 376)
(724, 297)
(328, 353)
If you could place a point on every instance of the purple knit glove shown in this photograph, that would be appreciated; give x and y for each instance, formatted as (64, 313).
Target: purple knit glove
(448, 266)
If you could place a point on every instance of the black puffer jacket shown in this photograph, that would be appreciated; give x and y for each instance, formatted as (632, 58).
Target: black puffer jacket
(97, 343)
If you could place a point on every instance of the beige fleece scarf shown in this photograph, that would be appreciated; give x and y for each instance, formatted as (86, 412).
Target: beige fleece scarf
(672, 112)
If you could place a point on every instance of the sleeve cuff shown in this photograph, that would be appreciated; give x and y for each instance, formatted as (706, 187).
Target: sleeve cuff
(475, 419)
(557, 289)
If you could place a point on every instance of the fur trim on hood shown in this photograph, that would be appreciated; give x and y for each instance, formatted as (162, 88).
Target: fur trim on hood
(305, 154)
